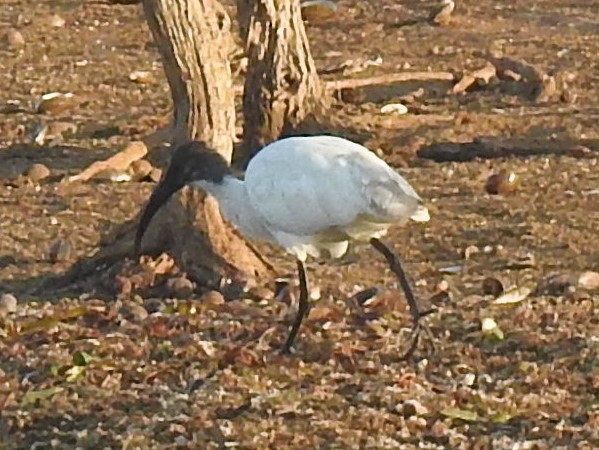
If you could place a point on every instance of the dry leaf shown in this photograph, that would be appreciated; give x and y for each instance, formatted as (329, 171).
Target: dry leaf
(513, 296)
(490, 328)
(462, 414)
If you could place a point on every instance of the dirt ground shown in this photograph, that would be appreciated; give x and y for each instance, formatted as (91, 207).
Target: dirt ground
(80, 368)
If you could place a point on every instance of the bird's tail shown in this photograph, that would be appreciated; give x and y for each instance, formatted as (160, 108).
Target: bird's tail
(421, 214)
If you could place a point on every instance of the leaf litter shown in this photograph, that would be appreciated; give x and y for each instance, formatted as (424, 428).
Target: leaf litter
(92, 371)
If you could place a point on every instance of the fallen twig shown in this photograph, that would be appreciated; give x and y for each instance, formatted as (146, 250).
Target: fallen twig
(388, 78)
(485, 74)
(355, 83)
(121, 161)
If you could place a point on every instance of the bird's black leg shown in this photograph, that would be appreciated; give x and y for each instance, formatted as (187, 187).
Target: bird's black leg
(303, 307)
(395, 265)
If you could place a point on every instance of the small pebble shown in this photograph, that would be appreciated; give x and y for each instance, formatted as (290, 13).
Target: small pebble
(469, 379)
(318, 10)
(37, 172)
(439, 429)
(56, 21)
(155, 174)
(470, 250)
(413, 408)
(415, 424)
(443, 286)
(133, 312)
(153, 305)
(8, 303)
(589, 280)
(408, 410)
(213, 298)
(140, 169)
(15, 39)
(180, 287)
(492, 286)
(142, 77)
(261, 293)
(502, 183)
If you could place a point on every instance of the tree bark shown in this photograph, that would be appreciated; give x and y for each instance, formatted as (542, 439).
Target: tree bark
(282, 87)
(194, 40)
(193, 37)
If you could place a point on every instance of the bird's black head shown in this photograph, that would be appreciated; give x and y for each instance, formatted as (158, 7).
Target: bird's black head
(190, 162)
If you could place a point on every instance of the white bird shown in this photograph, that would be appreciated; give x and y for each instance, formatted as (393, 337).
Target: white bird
(310, 195)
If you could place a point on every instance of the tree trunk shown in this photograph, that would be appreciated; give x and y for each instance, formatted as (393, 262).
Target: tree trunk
(194, 40)
(282, 87)
(193, 37)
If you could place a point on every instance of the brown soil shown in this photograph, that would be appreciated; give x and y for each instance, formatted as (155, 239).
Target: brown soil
(201, 374)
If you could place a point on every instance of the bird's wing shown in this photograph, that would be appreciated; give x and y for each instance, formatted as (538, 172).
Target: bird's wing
(302, 197)
(304, 186)
(390, 197)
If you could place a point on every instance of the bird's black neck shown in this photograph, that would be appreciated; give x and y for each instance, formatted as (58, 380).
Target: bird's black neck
(195, 161)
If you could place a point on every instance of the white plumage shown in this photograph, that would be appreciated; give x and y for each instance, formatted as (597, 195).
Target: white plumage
(310, 195)
(315, 193)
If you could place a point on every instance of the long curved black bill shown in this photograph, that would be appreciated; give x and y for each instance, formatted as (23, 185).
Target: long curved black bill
(163, 191)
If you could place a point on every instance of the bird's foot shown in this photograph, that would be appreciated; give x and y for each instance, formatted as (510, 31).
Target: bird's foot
(417, 328)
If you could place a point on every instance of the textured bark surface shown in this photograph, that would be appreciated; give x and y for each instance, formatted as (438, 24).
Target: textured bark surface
(282, 87)
(194, 40)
